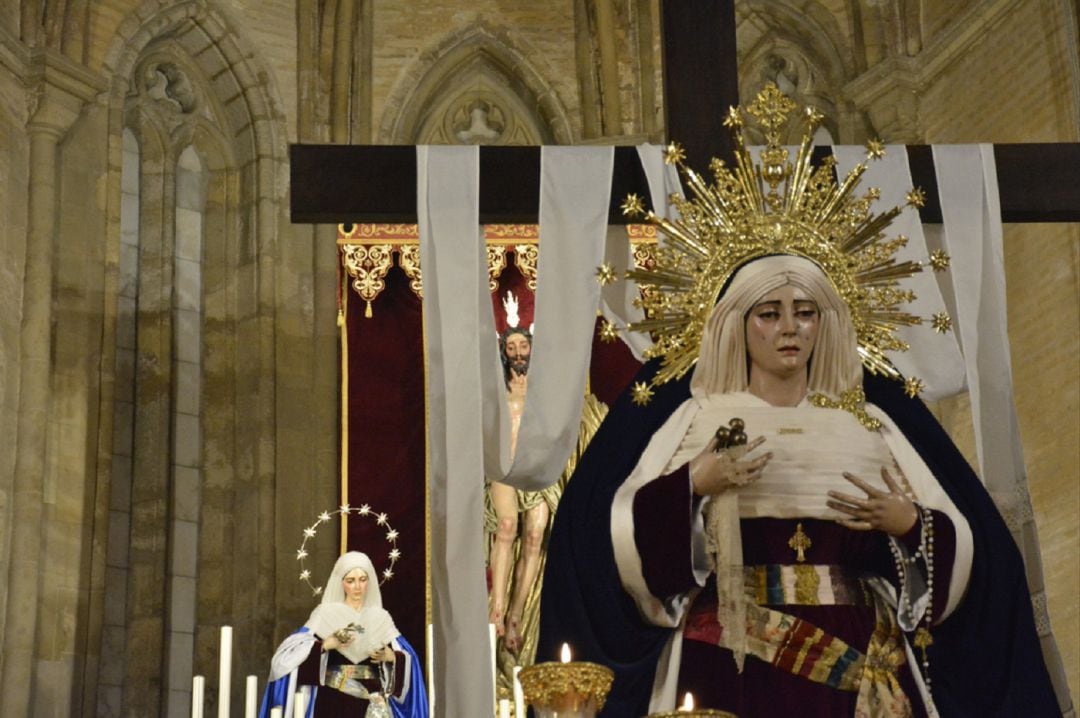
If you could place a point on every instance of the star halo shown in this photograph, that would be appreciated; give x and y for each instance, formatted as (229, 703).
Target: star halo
(381, 519)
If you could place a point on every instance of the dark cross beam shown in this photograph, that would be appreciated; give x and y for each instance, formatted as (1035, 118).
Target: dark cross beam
(334, 184)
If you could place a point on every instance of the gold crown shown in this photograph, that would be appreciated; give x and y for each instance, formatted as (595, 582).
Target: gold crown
(774, 206)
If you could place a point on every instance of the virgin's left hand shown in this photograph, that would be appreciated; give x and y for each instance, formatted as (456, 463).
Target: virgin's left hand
(890, 512)
(382, 655)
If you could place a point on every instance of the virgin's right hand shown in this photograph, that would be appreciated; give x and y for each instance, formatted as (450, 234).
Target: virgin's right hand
(713, 472)
(332, 642)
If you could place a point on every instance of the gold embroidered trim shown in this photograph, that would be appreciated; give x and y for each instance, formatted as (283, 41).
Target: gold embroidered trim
(807, 585)
(852, 401)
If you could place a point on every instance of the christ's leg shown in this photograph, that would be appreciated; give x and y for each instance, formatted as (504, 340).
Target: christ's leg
(504, 498)
(528, 566)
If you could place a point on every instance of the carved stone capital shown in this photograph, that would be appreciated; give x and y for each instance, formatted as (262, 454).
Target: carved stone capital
(889, 93)
(58, 90)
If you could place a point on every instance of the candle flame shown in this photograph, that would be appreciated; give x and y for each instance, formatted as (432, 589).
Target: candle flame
(688, 702)
(565, 653)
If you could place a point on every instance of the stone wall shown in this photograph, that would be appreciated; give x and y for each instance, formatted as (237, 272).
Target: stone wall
(14, 183)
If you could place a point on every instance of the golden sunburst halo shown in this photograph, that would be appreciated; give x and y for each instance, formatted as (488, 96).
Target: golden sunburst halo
(939, 260)
(642, 393)
(916, 198)
(632, 206)
(913, 386)
(771, 108)
(605, 274)
(608, 332)
(778, 205)
(813, 117)
(733, 120)
(942, 322)
(674, 153)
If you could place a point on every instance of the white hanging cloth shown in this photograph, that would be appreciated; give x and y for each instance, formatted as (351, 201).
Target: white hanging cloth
(971, 211)
(618, 298)
(662, 178)
(575, 190)
(462, 367)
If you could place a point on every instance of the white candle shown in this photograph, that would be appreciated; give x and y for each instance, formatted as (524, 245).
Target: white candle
(198, 693)
(519, 694)
(431, 668)
(275, 712)
(224, 672)
(249, 696)
(504, 708)
(494, 677)
(299, 705)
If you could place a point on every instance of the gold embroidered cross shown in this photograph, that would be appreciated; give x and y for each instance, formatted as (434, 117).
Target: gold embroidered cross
(799, 542)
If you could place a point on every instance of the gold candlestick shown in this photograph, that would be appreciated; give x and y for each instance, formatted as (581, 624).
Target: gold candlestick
(570, 689)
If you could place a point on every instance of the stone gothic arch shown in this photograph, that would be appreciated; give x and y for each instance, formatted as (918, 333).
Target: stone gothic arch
(804, 52)
(476, 87)
(205, 134)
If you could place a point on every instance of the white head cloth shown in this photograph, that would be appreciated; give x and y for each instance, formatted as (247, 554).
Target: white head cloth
(721, 367)
(335, 592)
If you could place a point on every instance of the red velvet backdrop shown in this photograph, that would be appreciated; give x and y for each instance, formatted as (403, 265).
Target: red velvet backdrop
(386, 443)
(386, 429)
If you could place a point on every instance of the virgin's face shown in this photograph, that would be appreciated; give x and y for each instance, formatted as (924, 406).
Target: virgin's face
(355, 586)
(781, 331)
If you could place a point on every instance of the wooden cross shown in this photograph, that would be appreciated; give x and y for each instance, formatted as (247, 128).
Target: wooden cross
(377, 183)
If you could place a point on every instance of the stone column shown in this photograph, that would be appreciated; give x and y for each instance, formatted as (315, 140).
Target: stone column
(60, 89)
(609, 68)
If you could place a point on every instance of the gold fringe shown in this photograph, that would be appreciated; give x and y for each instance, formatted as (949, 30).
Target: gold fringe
(343, 325)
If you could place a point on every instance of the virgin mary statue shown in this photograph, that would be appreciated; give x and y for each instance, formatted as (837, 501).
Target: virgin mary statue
(845, 560)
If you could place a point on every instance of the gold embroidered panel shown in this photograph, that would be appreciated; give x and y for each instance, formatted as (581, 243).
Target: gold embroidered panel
(367, 265)
(367, 252)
